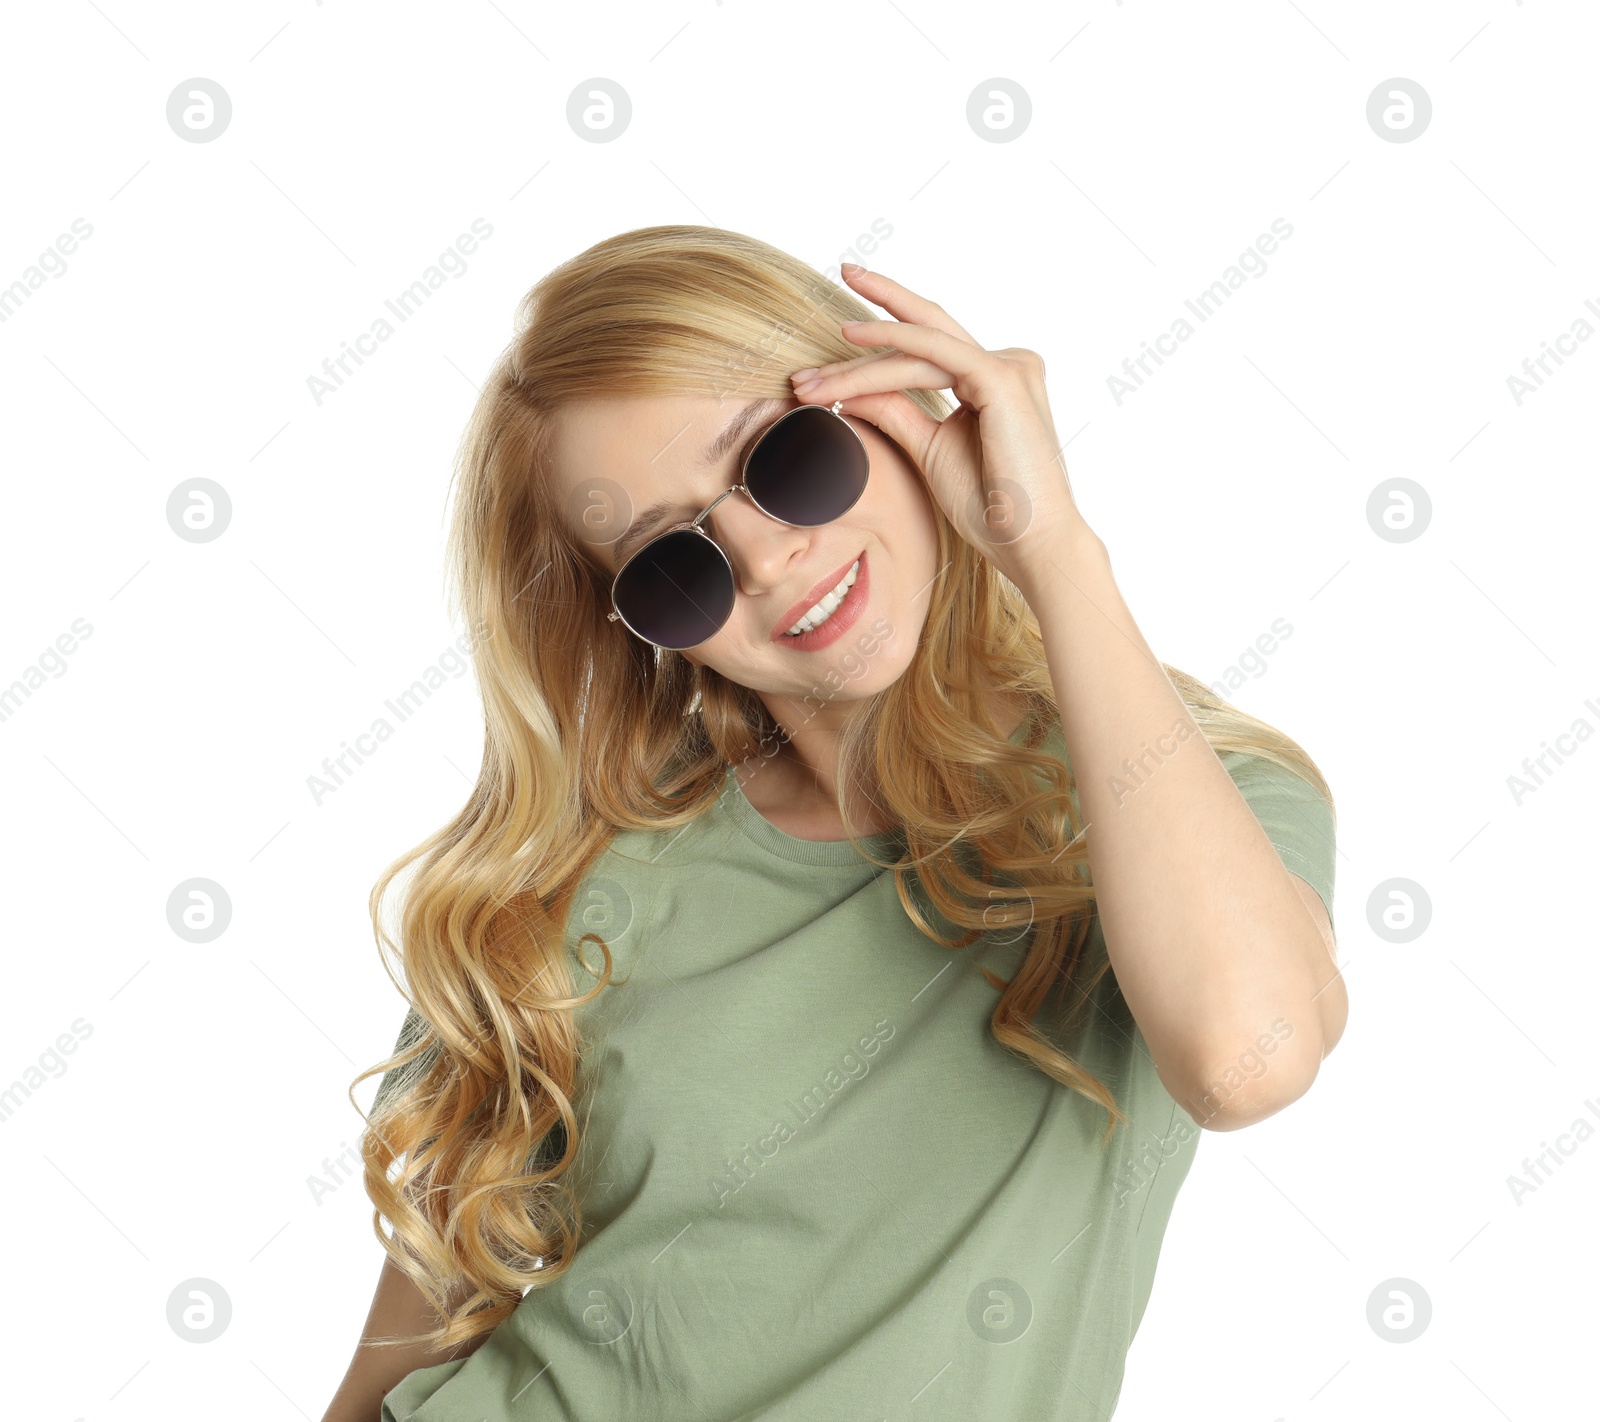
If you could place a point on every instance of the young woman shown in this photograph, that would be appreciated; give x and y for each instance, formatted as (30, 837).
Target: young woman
(817, 1001)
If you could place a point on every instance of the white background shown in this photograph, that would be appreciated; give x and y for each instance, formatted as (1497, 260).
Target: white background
(177, 740)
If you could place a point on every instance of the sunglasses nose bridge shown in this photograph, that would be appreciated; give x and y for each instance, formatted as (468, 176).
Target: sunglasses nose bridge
(697, 523)
(713, 619)
(751, 499)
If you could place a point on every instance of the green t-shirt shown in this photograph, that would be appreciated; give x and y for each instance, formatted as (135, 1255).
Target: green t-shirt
(814, 1185)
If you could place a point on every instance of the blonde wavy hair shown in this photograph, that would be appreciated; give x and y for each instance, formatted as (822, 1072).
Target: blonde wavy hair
(589, 731)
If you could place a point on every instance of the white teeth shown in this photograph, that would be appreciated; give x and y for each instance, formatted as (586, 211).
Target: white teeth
(825, 609)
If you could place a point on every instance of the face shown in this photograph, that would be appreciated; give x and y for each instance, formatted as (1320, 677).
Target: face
(646, 449)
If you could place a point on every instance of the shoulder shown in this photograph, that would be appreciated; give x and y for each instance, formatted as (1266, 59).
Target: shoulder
(1297, 815)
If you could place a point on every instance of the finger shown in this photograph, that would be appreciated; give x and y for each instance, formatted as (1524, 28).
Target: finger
(904, 421)
(893, 371)
(816, 372)
(978, 376)
(904, 303)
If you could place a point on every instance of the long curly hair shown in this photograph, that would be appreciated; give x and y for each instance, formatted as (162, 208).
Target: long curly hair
(589, 731)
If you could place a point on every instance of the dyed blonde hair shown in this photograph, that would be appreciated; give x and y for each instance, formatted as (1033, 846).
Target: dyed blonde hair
(588, 730)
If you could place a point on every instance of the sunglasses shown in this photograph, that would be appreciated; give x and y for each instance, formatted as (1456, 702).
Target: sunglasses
(808, 468)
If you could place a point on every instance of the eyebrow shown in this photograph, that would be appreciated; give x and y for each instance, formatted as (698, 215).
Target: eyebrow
(735, 427)
(724, 440)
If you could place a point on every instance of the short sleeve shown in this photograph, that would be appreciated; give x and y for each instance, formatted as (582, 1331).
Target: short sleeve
(411, 1028)
(1296, 818)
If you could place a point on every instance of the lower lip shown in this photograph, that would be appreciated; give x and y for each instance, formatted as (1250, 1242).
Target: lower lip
(854, 604)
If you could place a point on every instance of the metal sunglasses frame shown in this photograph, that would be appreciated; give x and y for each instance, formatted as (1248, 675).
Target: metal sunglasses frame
(693, 525)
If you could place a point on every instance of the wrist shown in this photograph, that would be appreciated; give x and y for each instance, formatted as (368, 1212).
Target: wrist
(1048, 552)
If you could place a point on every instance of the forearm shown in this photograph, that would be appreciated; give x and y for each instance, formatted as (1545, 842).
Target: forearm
(398, 1310)
(1205, 931)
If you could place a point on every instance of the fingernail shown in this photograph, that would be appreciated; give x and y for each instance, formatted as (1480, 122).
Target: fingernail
(853, 269)
(806, 386)
(805, 374)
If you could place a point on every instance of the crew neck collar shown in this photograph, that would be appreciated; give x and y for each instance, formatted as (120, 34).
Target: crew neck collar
(822, 852)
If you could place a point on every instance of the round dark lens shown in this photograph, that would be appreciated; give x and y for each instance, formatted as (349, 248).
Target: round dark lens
(676, 591)
(809, 468)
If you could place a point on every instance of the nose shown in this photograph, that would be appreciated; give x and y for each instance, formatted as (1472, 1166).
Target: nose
(760, 547)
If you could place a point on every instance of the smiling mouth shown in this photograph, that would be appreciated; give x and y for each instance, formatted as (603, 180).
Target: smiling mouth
(830, 602)
(801, 610)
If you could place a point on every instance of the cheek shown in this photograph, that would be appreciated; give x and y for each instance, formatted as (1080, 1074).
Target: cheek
(905, 511)
(901, 492)
(710, 654)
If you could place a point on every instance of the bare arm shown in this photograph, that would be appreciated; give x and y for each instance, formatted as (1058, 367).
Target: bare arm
(397, 1310)
(1208, 937)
